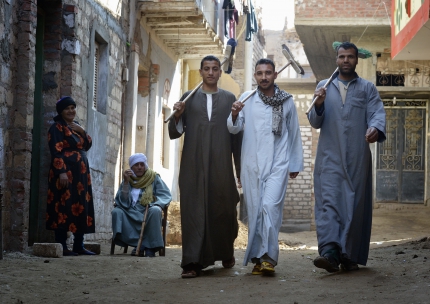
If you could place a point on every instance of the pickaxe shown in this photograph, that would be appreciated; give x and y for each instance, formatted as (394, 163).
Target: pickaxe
(362, 53)
(228, 57)
(291, 61)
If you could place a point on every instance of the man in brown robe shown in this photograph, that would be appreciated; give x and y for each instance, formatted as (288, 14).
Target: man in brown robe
(208, 193)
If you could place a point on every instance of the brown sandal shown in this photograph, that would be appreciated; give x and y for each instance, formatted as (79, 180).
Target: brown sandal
(257, 269)
(229, 263)
(186, 274)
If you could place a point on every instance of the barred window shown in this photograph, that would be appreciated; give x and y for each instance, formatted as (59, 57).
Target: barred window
(96, 71)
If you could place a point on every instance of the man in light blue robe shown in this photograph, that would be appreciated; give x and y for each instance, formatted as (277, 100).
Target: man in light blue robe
(141, 186)
(350, 115)
(271, 151)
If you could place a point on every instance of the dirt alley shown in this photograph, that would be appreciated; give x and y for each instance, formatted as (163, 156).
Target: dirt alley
(398, 271)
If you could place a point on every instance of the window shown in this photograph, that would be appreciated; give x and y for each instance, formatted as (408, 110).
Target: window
(100, 75)
(96, 73)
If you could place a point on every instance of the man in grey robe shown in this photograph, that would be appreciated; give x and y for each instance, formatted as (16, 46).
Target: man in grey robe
(350, 115)
(141, 186)
(271, 152)
(208, 193)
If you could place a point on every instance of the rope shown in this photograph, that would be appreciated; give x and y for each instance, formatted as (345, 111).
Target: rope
(368, 25)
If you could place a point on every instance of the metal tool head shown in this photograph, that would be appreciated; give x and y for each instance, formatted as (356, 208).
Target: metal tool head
(228, 55)
(296, 66)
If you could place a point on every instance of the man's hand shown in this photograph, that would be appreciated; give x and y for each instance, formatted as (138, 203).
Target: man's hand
(320, 95)
(127, 174)
(179, 107)
(238, 183)
(236, 108)
(371, 135)
(294, 174)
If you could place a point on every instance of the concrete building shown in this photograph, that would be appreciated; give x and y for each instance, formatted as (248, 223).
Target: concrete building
(184, 32)
(399, 68)
(125, 63)
(49, 49)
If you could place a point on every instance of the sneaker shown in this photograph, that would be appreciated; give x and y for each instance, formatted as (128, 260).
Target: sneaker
(327, 262)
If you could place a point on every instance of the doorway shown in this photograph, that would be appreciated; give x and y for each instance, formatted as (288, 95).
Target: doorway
(400, 173)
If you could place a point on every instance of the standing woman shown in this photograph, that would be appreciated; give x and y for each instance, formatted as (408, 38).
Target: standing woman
(70, 200)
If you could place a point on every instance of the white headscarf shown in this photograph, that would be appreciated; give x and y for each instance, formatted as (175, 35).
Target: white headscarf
(138, 158)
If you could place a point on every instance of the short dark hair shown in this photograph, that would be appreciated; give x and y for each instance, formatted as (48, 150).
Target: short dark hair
(346, 46)
(265, 61)
(209, 58)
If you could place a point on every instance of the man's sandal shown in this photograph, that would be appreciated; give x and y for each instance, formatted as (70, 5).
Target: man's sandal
(257, 269)
(186, 274)
(229, 263)
(267, 268)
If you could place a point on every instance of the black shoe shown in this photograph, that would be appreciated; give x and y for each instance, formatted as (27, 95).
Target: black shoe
(141, 252)
(69, 253)
(327, 262)
(348, 265)
(150, 252)
(84, 251)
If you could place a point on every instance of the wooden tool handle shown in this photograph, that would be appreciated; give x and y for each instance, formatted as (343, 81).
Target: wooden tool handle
(141, 231)
(325, 86)
(249, 96)
(186, 98)
(192, 92)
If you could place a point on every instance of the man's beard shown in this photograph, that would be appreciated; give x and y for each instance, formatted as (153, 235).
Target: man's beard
(349, 72)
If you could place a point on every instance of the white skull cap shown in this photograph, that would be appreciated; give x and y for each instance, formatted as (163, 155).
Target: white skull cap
(138, 158)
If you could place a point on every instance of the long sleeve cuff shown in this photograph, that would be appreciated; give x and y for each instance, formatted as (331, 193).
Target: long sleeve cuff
(319, 110)
(179, 126)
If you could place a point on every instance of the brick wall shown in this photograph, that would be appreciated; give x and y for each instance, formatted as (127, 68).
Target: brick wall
(7, 65)
(90, 18)
(298, 201)
(19, 122)
(342, 9)
(67, 70)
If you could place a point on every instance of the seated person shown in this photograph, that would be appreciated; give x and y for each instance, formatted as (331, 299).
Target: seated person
(141, 186)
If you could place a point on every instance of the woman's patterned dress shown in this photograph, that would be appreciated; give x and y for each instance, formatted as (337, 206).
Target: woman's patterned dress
(70, 208)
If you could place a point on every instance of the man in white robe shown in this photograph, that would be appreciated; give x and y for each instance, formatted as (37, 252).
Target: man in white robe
(271, 151)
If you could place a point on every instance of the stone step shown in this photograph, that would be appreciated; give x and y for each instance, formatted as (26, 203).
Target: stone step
(48, 250)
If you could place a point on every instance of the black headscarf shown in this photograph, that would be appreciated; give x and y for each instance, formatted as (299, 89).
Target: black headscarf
(62, 104)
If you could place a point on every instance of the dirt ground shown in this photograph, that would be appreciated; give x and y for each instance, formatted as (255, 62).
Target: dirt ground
(398, 271)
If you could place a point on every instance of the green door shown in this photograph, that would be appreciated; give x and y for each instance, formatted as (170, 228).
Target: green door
(37, 129)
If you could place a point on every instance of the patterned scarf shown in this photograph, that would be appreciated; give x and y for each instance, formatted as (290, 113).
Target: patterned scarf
(145, 181)
(276, 102)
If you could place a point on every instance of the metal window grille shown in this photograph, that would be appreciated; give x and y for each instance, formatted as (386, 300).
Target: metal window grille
(96, 72)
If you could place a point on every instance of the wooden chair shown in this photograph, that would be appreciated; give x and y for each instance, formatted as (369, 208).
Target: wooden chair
(162, 251)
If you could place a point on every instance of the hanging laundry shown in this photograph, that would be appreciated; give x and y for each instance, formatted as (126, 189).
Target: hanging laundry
(231, 18)
(251, 23)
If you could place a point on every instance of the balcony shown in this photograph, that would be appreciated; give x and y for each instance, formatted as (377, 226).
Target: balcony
(188, 27)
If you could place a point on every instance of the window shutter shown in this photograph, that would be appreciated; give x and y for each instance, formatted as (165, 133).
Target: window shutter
(96, 73)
